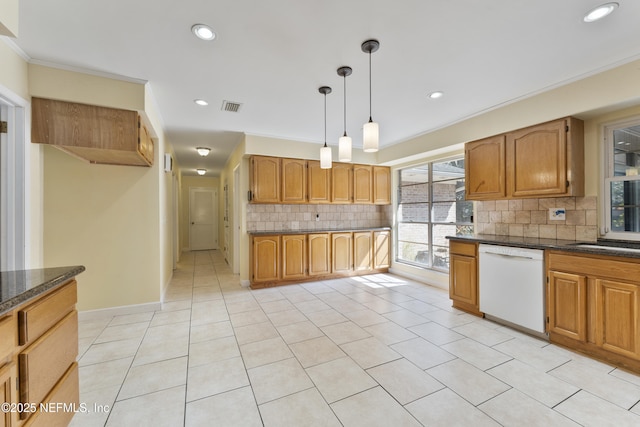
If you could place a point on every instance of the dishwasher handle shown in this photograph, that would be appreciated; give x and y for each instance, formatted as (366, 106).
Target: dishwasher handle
(508, 256)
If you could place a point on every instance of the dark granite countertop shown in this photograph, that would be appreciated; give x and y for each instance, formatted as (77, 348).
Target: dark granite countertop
(614, 247)
(20, 286)
(336, 230)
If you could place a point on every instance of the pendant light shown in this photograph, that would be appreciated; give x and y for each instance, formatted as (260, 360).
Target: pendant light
(344, 143)
(325, 152)
(370, 129)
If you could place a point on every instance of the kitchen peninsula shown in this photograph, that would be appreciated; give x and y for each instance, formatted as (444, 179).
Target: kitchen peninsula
(39, 344)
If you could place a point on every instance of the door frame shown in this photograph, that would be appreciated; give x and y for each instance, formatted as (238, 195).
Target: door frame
(14, 189)
(236, 222)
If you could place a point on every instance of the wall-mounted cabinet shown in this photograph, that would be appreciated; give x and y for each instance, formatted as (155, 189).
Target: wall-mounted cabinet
(545, 160)
(279, 259)
(97, 134)
(284, 180)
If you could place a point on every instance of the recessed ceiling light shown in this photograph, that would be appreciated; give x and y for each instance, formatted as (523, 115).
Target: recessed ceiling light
(437, 94)
(203, 32)
(201, 171)
(600, 12)
(201, 102)
(203, 151)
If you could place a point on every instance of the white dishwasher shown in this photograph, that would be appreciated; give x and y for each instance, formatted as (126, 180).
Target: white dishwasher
(511, 282)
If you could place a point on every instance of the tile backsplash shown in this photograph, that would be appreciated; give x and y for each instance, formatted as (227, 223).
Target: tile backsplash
(531, 218)
(316, 217)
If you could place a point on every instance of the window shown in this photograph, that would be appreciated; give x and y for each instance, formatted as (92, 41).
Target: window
(431, 206)
(622, 180)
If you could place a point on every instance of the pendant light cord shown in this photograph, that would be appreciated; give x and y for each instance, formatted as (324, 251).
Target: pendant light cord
(370, 87)
(325, 119)
(345, 105)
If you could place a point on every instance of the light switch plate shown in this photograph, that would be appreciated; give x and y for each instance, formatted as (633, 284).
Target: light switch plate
(557, 214)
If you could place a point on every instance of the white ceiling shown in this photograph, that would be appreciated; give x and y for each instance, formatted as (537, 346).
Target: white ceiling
(272, 56)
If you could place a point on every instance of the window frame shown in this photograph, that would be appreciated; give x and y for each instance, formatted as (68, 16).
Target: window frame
(431, 223)
(608, 176)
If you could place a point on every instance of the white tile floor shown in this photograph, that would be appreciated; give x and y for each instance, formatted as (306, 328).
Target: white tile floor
(378, 350)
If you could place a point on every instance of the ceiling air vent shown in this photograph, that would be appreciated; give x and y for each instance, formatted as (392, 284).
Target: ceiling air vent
(231, 106)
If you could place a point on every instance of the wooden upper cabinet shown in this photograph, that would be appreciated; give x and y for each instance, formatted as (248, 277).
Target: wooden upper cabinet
(381, 185)
(485, 164)
(265, 179)
(546, 160)
(342, 183)
(294, 180)
(294, 256)
(541, 160)
(362, 184)
(97, 134)
(318, 182)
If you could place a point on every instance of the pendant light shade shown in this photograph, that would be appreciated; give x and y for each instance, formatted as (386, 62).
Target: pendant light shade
(370, 137)
(325, 152)
(344, 143)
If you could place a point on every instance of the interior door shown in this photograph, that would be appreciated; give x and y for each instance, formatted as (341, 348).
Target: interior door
(203, 230)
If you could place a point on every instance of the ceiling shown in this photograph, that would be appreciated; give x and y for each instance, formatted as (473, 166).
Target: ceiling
(271, 56)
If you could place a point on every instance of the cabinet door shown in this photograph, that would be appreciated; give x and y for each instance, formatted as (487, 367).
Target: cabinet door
(294, 180)
(341, 183)
(567, 305)
(537, 160)
(362, 184)
(381, 185)
(463, 279)
(294, 256)
(485, 169)
(319, 183)
(617, 309)
(362, 250)
(266, 258)
(319, 254)
(341, 250)
(381, 249)
(265, 179)
(8, 393)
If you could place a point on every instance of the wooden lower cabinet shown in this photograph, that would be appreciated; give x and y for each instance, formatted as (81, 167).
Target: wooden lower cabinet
(8, 376)
(362, 253)
(41, 366)
(463, 276)
(294, 256)
(342, 252)
(319, 254)
(381, 249)
(265, 259)
(593, 305)
(567, 308)
(616, 317)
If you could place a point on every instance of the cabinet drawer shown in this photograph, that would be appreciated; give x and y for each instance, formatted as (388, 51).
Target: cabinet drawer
(7, 336)
(45, 361)
(463, 248)
(38, 317)
(66, 392)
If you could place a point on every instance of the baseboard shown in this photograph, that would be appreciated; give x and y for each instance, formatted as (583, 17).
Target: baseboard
(245, 283)
(103, 313)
